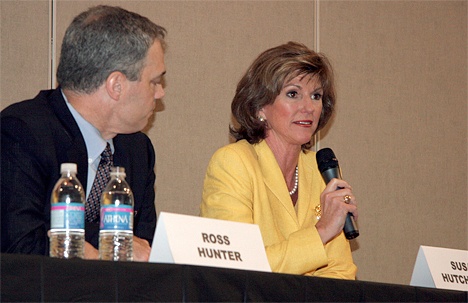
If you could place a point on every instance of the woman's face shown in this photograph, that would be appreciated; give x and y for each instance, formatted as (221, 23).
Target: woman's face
(294, 115)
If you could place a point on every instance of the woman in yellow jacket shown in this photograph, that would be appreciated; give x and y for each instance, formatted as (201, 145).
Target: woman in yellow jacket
(269, 177)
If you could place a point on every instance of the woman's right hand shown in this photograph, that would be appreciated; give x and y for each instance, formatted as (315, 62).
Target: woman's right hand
(334, 209)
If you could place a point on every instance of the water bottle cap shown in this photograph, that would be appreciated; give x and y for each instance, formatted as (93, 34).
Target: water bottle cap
(117, 171)
(68, 167)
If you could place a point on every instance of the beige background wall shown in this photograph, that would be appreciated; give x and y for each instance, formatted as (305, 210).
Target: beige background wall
(400, 131)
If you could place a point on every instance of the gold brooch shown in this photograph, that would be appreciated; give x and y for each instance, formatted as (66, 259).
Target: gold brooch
(318, 211)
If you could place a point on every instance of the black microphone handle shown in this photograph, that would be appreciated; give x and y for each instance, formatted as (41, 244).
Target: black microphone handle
(350, 228)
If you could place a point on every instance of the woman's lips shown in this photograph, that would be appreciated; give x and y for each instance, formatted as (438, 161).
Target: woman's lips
(303, 122)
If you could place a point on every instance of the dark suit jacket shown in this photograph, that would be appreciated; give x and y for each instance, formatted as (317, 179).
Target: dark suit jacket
(36, 137)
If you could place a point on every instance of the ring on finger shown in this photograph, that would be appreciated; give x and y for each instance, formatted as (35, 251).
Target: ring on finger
(347, 199)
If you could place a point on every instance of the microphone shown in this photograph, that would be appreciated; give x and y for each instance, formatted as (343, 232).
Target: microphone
(329, 168)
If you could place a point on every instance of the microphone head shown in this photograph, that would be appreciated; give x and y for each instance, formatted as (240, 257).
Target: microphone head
(326, 159)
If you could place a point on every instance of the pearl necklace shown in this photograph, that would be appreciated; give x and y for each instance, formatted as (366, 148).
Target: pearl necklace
(296, 182)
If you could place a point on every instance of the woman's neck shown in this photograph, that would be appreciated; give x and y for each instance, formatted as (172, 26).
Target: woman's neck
(287, 157)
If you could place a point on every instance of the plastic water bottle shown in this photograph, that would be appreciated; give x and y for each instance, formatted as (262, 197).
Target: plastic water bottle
(67, 215)
(116, 227)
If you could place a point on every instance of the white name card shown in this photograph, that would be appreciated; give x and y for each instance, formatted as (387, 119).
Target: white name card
(183, 239)
(441, 268)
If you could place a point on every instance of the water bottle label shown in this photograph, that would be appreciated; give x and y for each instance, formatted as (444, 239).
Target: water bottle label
(116, 217)
(67, 216)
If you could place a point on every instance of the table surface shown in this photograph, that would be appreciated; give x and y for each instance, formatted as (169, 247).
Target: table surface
(42, 279)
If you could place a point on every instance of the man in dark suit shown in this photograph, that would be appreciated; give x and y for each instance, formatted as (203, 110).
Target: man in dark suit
(110, 74)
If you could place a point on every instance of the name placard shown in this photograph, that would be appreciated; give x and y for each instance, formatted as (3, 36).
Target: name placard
(441, 268)
(183, 239)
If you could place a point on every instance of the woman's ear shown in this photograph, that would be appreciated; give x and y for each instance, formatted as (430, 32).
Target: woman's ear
(261, 115)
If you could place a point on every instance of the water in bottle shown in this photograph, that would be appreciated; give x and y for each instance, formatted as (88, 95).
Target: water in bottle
(116, 227)
(67, 215)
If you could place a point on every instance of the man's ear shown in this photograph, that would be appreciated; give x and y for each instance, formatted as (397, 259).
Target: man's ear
(115, 84)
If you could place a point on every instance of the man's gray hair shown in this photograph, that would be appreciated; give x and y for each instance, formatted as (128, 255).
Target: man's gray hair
(102, 40)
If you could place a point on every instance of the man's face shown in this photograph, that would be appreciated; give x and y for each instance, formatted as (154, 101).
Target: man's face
(138, 102)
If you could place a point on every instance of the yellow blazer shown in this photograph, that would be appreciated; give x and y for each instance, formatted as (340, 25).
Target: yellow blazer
(244, 183)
